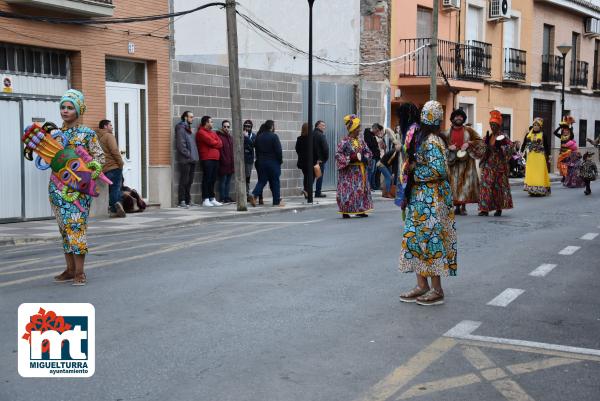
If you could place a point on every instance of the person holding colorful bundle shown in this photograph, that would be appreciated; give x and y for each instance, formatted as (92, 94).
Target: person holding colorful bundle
(429, 244)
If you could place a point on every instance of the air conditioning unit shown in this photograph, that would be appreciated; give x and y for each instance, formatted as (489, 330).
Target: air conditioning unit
(499, 10)
(451, 4)
(592, 27)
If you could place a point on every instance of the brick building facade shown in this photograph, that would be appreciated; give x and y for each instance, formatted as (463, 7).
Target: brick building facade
(88, 50)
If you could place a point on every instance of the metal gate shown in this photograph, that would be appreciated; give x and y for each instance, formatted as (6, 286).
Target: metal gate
(332, 101)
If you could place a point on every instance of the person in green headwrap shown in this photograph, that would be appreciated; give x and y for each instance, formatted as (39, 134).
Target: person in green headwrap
(72, 220)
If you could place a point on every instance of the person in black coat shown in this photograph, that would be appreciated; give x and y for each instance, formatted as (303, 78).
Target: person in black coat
(321, 151)
(249, 138)
(303, 164)
(269, 158)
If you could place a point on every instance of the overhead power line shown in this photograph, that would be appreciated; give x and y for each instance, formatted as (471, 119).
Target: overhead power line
(105, 20)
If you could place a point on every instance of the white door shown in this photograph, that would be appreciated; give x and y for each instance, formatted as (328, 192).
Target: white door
(35, 180)
(10, 160)
(511, 31)
(123, 109)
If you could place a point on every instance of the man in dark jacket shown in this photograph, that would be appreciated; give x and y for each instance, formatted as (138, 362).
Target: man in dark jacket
(249, 138)
(321, 151)
(226, 166)
(187, 157)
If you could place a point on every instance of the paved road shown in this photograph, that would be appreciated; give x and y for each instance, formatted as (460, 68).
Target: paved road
(305, 307)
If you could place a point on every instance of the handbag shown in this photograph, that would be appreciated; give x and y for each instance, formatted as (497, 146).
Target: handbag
(317, 170)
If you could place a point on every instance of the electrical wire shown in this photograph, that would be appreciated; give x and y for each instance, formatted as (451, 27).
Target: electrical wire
(105, 20)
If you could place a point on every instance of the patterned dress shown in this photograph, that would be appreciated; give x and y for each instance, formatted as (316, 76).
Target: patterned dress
(353, 191)
(494, 191)
(573, 163)
(429, 240)
(463, 175)
(72, 222)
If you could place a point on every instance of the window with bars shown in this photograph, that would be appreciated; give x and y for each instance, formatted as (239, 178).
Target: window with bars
(25, 60)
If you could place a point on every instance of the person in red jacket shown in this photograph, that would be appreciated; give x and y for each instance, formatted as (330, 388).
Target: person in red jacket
(226, 166)
(209, 146)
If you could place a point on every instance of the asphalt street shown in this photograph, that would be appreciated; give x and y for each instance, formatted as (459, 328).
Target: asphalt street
(304, 306)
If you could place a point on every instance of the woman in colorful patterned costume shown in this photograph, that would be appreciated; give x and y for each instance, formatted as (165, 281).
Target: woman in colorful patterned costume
(494, 191)
(537, 180)
(72, 222)
(567, 144)
(429, 240)
(352, 157)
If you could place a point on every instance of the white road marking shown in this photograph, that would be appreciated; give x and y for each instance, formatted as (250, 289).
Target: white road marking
(506, 297)
(570, 250)
(464, 329)
(589, 236)
(542, 270)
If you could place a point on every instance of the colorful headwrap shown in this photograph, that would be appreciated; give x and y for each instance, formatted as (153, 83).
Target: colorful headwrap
(75, 97)
(568, 121)
(352, 122)
(432, 113)
(539, 121)
(495, 117)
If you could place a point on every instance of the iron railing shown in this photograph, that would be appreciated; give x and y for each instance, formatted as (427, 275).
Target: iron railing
(469, 61)
(552, 68)
(515, 62)
(579, 73)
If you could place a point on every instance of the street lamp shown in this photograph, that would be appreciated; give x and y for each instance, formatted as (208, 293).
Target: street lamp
(563, 49)
(309, 148)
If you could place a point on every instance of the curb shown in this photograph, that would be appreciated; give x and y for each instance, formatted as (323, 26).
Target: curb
(18, 241)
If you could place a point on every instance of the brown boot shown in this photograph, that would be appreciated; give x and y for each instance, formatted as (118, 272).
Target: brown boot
(384, 193)
(252, 200)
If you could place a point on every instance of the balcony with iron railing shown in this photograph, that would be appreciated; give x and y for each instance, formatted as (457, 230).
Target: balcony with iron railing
(552, 68)
(469, 61)
(579, 74)
(89, 8)
(515, 63)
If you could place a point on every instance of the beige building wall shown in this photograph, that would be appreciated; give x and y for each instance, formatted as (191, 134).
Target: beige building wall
(508, 96)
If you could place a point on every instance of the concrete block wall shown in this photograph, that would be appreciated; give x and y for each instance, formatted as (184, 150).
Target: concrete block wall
(203, 89)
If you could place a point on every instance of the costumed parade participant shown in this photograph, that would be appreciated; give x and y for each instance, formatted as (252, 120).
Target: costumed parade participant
(429, 239)
(573, 163)
(352, 157)
(567, 144)
(537, 179)
(74, 154)
(588, 171)
(494, 190)
(462, 150)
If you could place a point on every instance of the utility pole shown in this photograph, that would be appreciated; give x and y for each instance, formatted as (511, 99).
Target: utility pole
(309, 157)
(434, 51)
(236, 107)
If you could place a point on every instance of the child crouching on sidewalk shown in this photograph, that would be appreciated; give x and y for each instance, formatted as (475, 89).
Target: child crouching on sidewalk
(588, 171)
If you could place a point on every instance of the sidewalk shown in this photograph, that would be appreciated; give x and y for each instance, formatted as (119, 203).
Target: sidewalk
(157, 219)
(153, 219)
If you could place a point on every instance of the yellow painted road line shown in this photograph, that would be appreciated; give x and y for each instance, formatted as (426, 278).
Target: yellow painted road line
(533, 366)
(511, 390)
(440, 385)
(146, 255)
(411, 369)
(477, 358)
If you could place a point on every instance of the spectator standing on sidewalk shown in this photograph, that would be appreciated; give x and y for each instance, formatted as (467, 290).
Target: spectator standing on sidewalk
(302, 164)
(226, 166)
(113, 168)
(321, 150)
(187, 157)
(209, 145)
(269, 157)
(249, 138)
(371, 142)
